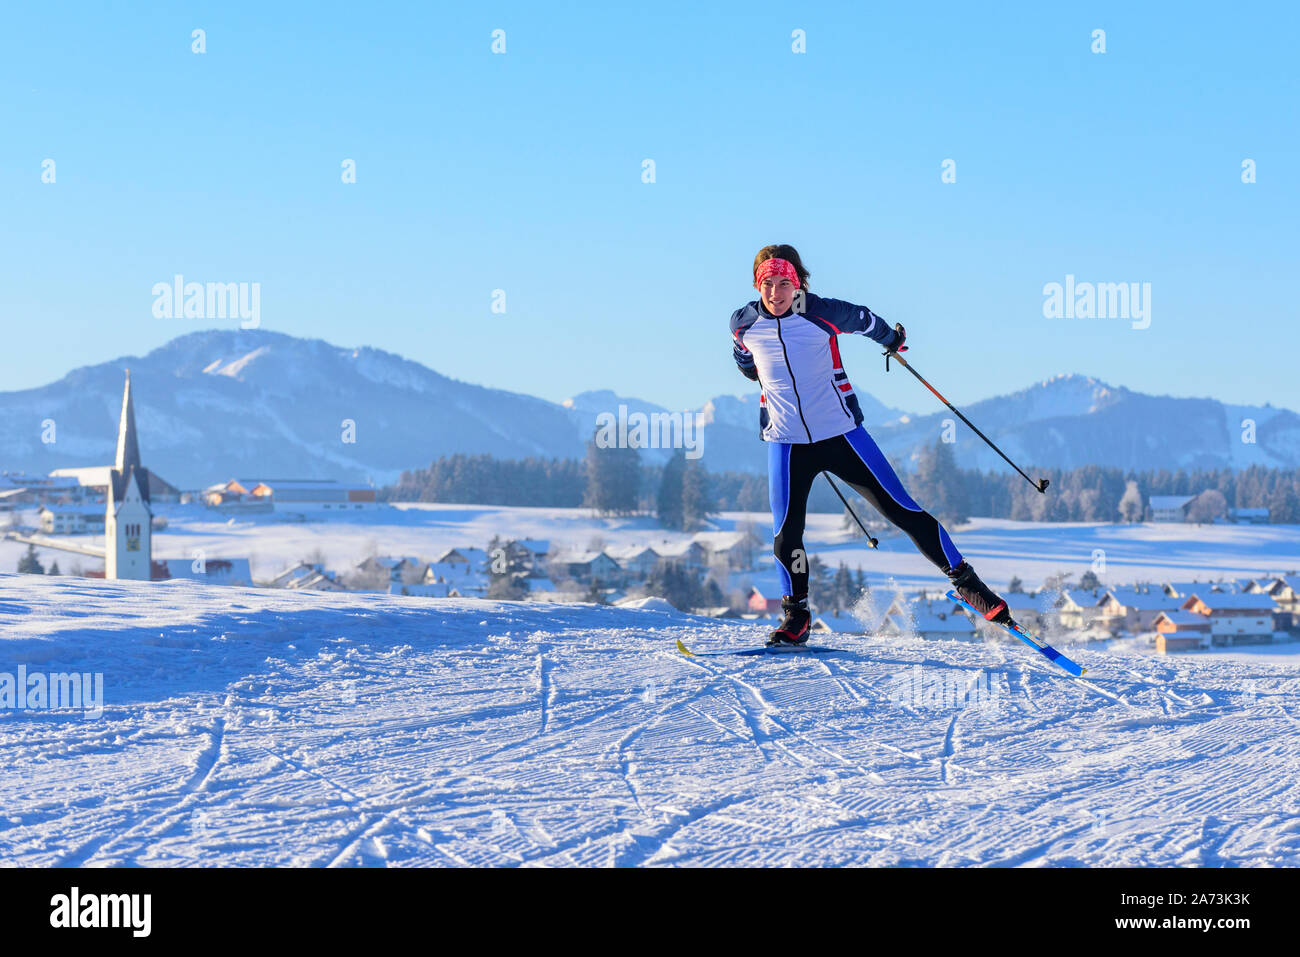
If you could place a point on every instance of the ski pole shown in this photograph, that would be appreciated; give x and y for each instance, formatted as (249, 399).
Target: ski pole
(874, 543)
(1041, 484)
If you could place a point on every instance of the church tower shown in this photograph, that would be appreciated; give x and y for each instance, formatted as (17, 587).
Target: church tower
(128, 539)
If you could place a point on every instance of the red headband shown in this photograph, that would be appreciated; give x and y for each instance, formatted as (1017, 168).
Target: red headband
(782, 268)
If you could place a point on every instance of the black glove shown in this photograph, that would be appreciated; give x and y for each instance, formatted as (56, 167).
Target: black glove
(898, 346)
(750, 373)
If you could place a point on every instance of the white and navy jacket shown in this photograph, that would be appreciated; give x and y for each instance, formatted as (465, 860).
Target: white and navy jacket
(806, 395)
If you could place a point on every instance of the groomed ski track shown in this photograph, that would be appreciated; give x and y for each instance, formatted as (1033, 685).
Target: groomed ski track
(259, 727)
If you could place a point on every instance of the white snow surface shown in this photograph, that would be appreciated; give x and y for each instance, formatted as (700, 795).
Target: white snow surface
(258, 727)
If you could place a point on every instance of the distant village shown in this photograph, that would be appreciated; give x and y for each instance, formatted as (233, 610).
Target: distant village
(719, 574)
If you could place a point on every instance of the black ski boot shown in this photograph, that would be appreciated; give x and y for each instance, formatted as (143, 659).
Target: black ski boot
(977, 594)
(793, 629)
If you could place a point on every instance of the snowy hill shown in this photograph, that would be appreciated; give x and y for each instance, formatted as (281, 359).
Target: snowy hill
(257, 727)
(221, 403)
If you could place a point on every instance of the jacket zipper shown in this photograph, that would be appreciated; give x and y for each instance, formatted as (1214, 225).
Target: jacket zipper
(793, 384)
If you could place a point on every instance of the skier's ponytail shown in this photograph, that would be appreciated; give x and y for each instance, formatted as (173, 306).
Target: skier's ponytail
(781, 251)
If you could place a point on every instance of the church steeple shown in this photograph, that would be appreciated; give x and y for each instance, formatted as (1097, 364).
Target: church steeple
(128, 519)
(128, 448)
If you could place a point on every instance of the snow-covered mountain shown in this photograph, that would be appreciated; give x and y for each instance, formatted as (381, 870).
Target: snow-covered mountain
(215, 404)
(1074, 420)
(220, 403)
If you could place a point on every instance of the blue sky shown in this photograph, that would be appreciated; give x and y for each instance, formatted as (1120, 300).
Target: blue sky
(523, 172)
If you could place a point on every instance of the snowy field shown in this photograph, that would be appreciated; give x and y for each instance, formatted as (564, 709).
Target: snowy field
(998, 548)
(259, 727)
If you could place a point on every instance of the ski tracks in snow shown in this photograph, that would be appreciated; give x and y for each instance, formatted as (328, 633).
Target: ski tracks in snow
(571, 735)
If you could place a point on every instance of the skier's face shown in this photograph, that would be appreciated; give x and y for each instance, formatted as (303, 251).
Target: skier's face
(778, 294)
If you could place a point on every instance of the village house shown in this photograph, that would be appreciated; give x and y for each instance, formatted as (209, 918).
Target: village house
(234, 498)
(586, 566)
(474, 558)
(1188, 589)
(1135, 611)
(732, 549)
(1285, 591)
(314, 497)
(690, 555)
(539, 548)
(1181, 631)
(764, 599)
(306, 576)
(405, 569)
(1236, 619)
(1079, 608)
(638, 561)
(72, 519)
(89, 483)
(1169, 508)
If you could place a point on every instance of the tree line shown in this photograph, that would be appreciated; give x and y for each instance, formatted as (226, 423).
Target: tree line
(682, 492)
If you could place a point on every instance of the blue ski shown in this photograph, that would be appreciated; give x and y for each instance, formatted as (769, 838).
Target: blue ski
(761, 650)
(1033, 641)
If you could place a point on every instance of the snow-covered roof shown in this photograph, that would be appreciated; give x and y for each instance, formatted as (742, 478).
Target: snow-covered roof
(392, 561)
(302, 484)
(1170, 501)
(459, 571)
(477, 557)
(1225, 602)
(1153, 600)
(300, 570)
(1185, 619)
(677, 549)
(315, 581)
(716, 541)
(1188, 588)
(1281, 582)
(1121, 590)
(92, 509)
(626, 552)
(583, 558)
(1082, 597)
(94, 476)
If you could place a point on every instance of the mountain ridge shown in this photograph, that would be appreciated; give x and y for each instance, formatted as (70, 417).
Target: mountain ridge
(214, 403)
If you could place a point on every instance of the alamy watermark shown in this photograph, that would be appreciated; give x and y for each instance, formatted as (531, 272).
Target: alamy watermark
(654, 430)
(179, 299)
(1101, 300)
(39, 691)
(916, 689)
(75, 909)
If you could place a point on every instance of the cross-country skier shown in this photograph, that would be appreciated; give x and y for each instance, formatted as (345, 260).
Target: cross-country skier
(787, 342)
